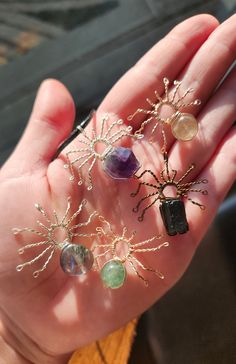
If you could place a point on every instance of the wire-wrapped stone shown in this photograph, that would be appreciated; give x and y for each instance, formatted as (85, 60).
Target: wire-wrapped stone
(184, 127)
(76, 259)
(174, 216)
(113, 274)
(121, 163)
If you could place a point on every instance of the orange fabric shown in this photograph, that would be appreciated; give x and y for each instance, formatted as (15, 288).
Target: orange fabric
(114, 349)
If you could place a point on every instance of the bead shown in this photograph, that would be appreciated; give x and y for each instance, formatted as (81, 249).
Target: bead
(174, 216)
(185, 127)
(113, 274)
(121, 163)
(76, 259)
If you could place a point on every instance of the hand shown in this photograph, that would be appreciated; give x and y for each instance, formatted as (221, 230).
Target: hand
(45, 318)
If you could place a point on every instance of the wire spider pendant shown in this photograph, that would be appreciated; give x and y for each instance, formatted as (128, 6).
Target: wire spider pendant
(172, 208)
(122, 250)
(184, 126)
(118, 162)
(75, 259)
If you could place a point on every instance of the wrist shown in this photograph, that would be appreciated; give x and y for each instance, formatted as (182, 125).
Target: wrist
(18, 348)
(9, 355)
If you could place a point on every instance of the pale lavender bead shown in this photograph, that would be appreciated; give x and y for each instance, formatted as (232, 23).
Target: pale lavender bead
(121, 163)
(76, 259)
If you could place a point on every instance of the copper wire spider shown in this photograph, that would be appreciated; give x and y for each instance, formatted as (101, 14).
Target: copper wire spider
(175, 102)
(115, 242)
(64, 227)
(167, 178)
(89, 155)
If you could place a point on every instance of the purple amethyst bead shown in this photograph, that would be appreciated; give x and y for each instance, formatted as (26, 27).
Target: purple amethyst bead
(121, 163)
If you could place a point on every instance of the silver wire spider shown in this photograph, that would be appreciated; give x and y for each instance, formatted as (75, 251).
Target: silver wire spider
(167, 178)
(114, 245)
(174, 102)
(89, 154)
(49, 233)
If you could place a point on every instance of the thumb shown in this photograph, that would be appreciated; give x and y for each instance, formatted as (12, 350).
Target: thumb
(50, 123)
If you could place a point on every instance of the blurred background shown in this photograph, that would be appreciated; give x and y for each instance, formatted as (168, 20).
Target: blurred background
(88, 45)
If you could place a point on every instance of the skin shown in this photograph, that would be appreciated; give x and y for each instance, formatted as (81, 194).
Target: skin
(45, 319)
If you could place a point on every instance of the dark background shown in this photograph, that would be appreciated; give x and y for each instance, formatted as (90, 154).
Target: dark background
(88, 45)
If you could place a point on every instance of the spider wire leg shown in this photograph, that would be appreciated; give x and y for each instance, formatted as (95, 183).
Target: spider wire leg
(141, 217)
(186, 190)
(154, 128)
(17, 231)
(145, 250)
(42, 225)
(150, 172)
(149, 269)
(43, 212)
(174, 175)
(90, 175)
(188, 91)
(110, 129)
(136, 271)
(139, 111)
(166, 85)
(135, 209)
(150, 103)
(202, 207)
(177, 86)
(85, 161)
(30, 262)
(102, 254)
(102, 127)
(101, 218)
(86, 223)
(144, 123)
(158, 96)
(67, 211)
(132, 236)
(76, 213)
(133, 194)
(191, 167)
(37, 272)
(119, 136)
(145, 242)
(32, 245)
(189, 184)
(79, 158)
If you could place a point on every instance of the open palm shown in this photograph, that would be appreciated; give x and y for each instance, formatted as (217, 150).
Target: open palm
(55, 313)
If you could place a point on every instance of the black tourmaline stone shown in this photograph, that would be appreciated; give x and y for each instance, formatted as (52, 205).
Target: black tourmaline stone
(174, 216)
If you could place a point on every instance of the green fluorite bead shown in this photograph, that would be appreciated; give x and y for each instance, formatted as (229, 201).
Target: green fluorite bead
(113, 274)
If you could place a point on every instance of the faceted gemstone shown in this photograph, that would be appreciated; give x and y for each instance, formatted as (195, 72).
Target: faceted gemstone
(121, 163)
(185, 127)
(76, 259)
(113, 274)
(174, 216)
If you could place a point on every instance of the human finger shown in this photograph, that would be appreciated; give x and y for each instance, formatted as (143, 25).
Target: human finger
(50, 122)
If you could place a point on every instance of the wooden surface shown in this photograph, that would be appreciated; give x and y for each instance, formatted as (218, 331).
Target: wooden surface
(114, 349)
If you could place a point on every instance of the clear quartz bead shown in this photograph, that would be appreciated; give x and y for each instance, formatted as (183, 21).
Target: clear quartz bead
(185, 127)
(76, 259)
